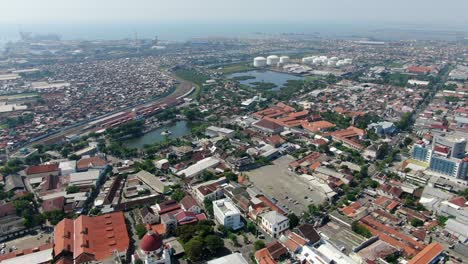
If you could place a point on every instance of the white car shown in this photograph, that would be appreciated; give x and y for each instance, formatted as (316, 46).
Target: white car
(3, 245)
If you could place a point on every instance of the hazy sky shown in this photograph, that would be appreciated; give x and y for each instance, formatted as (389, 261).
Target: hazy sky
(436, 12)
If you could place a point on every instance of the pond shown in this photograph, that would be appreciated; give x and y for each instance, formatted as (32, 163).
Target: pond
(177, 129)
(256, 76)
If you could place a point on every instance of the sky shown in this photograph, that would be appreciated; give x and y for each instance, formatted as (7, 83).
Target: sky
(433, 12)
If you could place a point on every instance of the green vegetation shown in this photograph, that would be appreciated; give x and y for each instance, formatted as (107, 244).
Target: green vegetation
(200, 241)
(72, 189)
(178, 195)
(12, 122)
(263, 85)
(441, 220)
(243, 78)
(192, 75)
(416, 222)
(452, 99)
(405, 121)
(54, 216)
(236, 68)
(397, 79)
(130, 129)
(293, 221)
(208, 205)
(25, 208)
(259, 244)
(140, 230)
(11, 167)
(366, 119)
(339, 120)
(360, 229)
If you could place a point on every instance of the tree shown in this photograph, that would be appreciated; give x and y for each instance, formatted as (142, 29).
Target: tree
(359, 229)
(416, 222)
(208, 204)
(194, 249)
(214, 243)
(72, 189)
(230, 176)
(293, 220)
(140, 230)
(259, 244)
(54, 216)
(178, 195)
(251, 227)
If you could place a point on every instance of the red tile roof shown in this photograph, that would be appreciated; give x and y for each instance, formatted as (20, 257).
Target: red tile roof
(90, 162)
(91, 238)
(188, 202)
(263, 257)
(53, 204)
(31, 170)
(460, 201)
(428, 254)
(7, 209)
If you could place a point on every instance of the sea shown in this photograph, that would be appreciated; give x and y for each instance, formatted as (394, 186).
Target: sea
(183, 31)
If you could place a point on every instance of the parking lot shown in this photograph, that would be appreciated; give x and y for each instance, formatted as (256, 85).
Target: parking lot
(35, 239)
(278, 182)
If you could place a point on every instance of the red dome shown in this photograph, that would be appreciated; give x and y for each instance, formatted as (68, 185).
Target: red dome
(151, 242)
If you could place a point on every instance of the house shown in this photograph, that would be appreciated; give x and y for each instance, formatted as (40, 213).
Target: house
(148, 216)
(40, 171)
(275, 140)
(91, 239)
(14, 183)
(317, 126)
(308, 232)
(227, 214)
(162, 164)
(184, 218)
(210, 190)
(274, 223)
(432, 253)
(6, 208)
(67, 167)
(267, 126)
(91, 163)
(53, 204)
(189, 204)
(167, 206)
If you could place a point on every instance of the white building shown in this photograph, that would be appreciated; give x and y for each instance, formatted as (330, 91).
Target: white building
(214, 131)
(67, 167)
(274, 223)
(85, 179)
(197, 168)
(324, 253)
(227, 214)
(234, 258)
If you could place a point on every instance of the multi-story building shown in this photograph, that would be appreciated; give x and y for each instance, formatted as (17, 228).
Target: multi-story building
(274, 223)
(445, 156)
(227, 214)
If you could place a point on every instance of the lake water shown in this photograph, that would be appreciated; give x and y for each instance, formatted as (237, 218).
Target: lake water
(178, 129)
(278, 78)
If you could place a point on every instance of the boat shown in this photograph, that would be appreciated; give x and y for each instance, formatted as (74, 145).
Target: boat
(166, 133)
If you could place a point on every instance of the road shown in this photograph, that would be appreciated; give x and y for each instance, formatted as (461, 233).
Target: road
(180, 90)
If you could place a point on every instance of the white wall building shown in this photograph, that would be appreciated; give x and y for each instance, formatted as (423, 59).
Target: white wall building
(274, 223)
(197, 168)
(227, 214)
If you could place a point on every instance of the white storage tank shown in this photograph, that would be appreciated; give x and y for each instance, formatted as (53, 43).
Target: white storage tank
(284, 59)
(348, 61)
(272, 60)
(259, 62)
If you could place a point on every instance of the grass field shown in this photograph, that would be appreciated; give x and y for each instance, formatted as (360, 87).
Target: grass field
(17, 96)
(236, 68)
